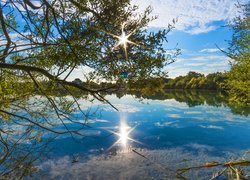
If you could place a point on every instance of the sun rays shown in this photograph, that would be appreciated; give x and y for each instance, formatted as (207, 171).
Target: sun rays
(123, 40)
(123, 135)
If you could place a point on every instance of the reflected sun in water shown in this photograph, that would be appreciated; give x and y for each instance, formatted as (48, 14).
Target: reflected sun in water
(123, 135)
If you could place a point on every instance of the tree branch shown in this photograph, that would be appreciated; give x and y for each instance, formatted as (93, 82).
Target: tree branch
(54, 78)
(35, 123)
(32, 5)
(45, 73)
(6, 34)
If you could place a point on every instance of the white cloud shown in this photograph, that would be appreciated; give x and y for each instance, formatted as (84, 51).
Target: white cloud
(205, 58)
(80, 72)
(210, 50)
(177, 71)
(200, 62)
(194, 17)
(194, 64)
(212, 127)
(123, 108)
(165, 124)
(201, 29)
(201, 147)
(129, 165)
(192, 112)
(18, 40)
(97, 120)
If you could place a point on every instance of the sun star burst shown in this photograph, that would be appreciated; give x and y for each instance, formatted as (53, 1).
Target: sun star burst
(123, 135)
(123, 40)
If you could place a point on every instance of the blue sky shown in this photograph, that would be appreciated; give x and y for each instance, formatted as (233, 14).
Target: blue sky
(200, 27)
(199, 51)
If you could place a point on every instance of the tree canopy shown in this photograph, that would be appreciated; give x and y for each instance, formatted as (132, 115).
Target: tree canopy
(43, 42)
(195, 80)
(238, 82)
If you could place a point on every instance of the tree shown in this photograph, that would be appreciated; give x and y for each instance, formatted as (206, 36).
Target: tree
(43, 42)
(194, 80)
(193, 74)
(238, 81)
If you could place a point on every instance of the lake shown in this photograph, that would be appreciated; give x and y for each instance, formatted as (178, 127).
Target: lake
(150, 137)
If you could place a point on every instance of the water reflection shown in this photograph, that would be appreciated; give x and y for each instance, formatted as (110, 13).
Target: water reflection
(177, 129)
(123, 134)
(161, 164)
(192, 98)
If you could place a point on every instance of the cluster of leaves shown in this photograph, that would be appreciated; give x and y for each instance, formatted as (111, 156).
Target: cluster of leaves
(238, 82)
(43, 42)
(232, 170)
(12, 90)
(194, 80)
(68, 34)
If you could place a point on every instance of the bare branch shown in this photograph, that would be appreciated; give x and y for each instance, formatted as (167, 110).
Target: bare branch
(32, 5)
(3, 26)
(35, 123)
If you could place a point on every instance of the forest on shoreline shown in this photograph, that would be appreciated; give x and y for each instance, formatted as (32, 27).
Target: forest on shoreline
(193, 80)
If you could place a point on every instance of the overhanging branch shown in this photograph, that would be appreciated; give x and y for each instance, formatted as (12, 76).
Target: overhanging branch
(6, 34)
(45, 73)
(29, 69)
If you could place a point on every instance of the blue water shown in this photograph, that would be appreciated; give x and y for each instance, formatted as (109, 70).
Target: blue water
(164, 131)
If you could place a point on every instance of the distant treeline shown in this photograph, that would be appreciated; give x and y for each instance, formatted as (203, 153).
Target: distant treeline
(182, 90)
(194, 80)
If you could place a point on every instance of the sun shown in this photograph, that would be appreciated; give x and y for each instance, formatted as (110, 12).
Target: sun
(123, 40)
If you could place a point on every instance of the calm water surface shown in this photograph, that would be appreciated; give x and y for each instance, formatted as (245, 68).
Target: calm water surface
(149, 138)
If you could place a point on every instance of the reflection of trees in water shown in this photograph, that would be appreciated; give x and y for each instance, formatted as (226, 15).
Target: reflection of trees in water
(21, 142)
(19, 148)
(239, 109)
(196, 97)
(25, 127)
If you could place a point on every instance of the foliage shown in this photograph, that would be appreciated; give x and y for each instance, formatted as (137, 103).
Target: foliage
(236, 169)
(43, 42)
(238, 82)
(194, 80)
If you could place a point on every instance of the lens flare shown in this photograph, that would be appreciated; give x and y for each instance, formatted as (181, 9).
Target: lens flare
(123, 40)
(123, 135)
